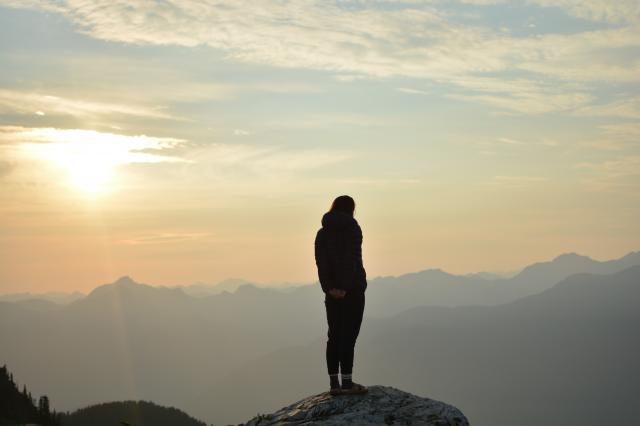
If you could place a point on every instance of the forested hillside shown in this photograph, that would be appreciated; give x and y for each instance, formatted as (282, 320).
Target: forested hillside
(18, 407)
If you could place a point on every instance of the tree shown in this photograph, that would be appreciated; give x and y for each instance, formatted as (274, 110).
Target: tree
(43, 406)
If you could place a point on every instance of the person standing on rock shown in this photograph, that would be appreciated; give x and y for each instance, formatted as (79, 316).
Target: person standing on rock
(338, 254)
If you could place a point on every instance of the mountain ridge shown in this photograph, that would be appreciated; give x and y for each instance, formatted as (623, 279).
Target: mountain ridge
(136, 343)
(567, 356)
(231, 285)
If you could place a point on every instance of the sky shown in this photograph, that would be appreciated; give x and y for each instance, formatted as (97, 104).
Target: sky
(194, 141)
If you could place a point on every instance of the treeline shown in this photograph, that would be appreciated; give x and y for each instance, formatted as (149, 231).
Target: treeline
(19, 407)
(134, 413)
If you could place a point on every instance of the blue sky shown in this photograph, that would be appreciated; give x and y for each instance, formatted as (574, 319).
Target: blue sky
(474, 135)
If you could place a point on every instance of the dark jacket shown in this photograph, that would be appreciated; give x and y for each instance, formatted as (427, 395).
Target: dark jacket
(338, 251)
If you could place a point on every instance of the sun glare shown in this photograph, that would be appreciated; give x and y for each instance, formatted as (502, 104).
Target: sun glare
(88, 169)
(89, 159)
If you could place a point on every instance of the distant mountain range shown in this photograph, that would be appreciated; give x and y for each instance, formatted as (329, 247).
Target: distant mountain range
(130, 341)
(229, 285)
(53, 297)
(435, 287)
(569, 356)
(428, 287)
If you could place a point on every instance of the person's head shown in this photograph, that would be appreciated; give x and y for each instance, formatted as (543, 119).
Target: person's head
(344, 204)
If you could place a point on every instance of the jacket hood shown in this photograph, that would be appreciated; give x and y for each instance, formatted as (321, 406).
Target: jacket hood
(337, 220)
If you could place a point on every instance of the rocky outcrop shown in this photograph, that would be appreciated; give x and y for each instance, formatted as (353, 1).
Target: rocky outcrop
(381, 405)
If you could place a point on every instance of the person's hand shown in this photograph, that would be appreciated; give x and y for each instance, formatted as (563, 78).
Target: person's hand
(337, 293)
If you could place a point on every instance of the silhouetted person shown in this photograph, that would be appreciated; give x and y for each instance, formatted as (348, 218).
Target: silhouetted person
(338, 253)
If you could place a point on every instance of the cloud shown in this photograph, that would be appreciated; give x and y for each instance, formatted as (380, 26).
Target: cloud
(618, 175)
(517, 181)
(519, 178)
(241, 132)
(510, 141)
(412, 39)
(520, 95)
(91, 160)
(87, 158)
(623, 131)
(164, 238)
(138, 148)
(617, 11)
(412, 91)
(616, 137)
(377, 181)
(328, 120)
(258, 159)
(22, 102)
(624, 108)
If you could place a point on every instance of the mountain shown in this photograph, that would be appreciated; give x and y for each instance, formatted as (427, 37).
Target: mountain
(145, 342)
(567, 356)
(201, 289)
(491, 275)
(136, 413)
(390, 295)
(437, 288)
(571, 263)
(142, 342)
(61, 298)
(381, 405)
(432, 287)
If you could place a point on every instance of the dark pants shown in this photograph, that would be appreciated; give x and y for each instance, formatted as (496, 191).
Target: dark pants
(344, 317)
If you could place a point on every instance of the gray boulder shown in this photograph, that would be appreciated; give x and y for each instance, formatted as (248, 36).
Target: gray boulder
(381, 405)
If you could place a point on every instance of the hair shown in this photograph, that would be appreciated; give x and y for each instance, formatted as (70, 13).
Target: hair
(344, 204)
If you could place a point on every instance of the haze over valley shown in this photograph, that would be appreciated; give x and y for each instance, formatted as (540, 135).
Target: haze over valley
(555, 337)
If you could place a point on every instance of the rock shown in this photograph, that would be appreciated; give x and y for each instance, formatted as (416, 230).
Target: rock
(382, 405)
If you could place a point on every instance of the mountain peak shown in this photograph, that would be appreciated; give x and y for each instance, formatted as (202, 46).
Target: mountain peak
(381, 405)
(124, 280)
(123, 284)
(571, 256)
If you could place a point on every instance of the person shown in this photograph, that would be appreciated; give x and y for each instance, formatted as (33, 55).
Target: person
(338, 255)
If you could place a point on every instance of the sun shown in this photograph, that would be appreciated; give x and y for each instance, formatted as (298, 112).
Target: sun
(91, 173)
(89, 160)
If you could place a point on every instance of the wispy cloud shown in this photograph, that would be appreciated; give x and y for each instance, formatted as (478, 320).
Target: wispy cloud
(510, 141)
(520, 95)
(620, 175)
(21, 102)
(326, 120)
(622, 136)
(165, 238)
(618, 11)
(623, 131)
(91, 160)
(623, 108)
(516, 181)
(412, 91)
(377, 181)
(87, 158)
(241, 132)
(412, 39)
(139, 148)
(272, 159)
